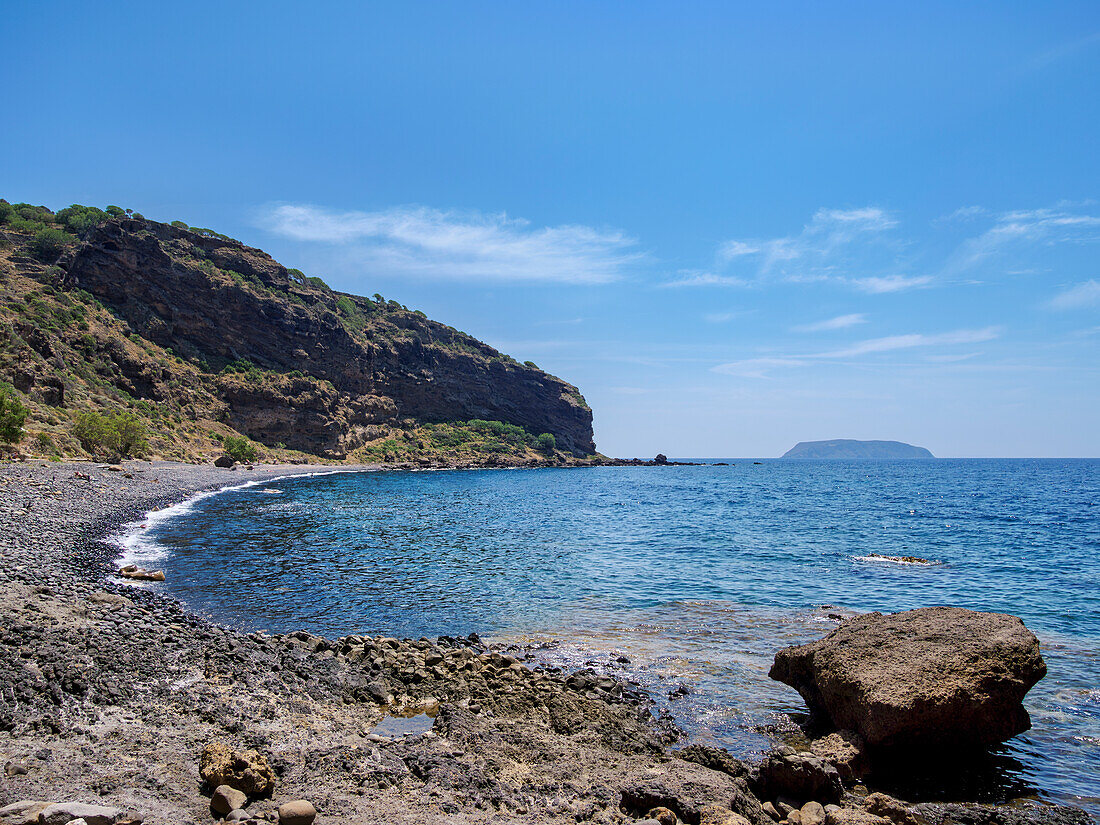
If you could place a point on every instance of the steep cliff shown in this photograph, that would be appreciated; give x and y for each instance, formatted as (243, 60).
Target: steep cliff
(272, 354)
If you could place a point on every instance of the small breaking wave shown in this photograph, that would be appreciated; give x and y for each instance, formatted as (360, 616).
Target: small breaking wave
(135, 540)
(913, 561)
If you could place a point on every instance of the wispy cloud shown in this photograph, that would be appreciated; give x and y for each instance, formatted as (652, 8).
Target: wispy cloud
(1086, 294)
(839, 322)
(756, 367)
(852, 247)
(881, 284)
(895, 342)
(422, 242)
(695, 277)
(1020, 229)
(762, 367)
(864, 249)
(720, 317)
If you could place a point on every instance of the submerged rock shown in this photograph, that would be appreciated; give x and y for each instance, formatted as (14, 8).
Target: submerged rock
(936, 676)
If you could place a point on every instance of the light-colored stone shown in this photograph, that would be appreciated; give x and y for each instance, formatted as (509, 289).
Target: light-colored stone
(852, 816)
(663, 816)
(771, 811)
(887, 807)
(226, 799)
(22, 813)
(720, 815)
(794, 818)
(247, 771)
(812, 814)
(298, 812)
(845, 751)
(62, 813)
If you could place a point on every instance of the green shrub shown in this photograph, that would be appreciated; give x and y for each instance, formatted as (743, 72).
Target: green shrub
(49, 243)
(546, 442)
(12, 415)
(239, 448)
(179, 225)
(115, 211)
(6, 211)
(531, 364)
(121, 434)
(79, 219)
(131, 433)
(45, 442)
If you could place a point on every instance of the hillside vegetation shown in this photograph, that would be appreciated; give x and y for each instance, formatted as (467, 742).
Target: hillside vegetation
(120, 335)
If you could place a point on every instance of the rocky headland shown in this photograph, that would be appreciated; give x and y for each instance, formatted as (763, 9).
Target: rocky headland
(199, 338)
(120, 706)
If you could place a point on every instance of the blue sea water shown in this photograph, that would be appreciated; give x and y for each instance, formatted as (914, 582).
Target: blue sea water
(696, 574)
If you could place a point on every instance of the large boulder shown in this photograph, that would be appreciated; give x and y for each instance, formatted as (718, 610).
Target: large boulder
(937, 676)
(247, 771)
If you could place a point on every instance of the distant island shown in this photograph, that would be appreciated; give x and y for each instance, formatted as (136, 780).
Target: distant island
(851, 448)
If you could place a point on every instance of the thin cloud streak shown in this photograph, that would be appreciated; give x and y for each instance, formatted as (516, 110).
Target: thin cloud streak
(1082, 295)
(839, 322)
(760, 367)
(421, 242)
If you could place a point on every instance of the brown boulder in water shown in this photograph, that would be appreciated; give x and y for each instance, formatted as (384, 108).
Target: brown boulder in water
(937, 676)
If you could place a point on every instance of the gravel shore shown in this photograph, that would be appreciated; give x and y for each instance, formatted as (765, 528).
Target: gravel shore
(110, 693)
(117, 696)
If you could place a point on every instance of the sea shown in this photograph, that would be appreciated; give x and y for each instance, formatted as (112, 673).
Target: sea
(685, 579)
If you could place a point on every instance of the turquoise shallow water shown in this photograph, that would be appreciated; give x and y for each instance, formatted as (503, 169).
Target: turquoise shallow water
(696, 574)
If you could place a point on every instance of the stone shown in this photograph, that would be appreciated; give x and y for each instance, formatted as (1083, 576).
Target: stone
(801, 776)
(662, 815)
(62, 813)
(22, 813)
(845, 751)
(852, 816)
(794, 818)
(239, 815)
(812, 813)
(224, 461)
(887, 807)
(719, 815)
(298, 812)
(226, 799)
(935, 676)
(247, 771)
(771, 811)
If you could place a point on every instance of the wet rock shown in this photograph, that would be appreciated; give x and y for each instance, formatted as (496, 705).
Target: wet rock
(62, 813)
(1021, 813)
(801, 776)
(845, 751)
(717, 759)
(132, 571)
(936, 676)
(663, 816)
(247, 771)
(226, 799)
(298, 812)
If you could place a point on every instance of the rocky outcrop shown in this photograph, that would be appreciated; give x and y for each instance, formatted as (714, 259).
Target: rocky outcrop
(937, 676)
(335, 363)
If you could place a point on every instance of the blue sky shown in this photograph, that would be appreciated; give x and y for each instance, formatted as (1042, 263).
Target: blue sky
(734, 227)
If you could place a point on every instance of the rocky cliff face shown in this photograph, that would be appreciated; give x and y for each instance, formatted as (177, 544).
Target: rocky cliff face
(308, 367)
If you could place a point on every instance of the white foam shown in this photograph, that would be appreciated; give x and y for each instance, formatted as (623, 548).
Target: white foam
(133, 539)
(898, 560)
